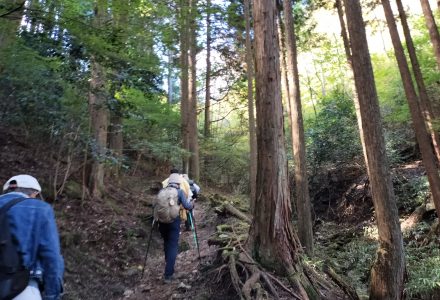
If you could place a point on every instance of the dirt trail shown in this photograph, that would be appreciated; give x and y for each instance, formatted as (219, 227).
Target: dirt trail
(187, 267)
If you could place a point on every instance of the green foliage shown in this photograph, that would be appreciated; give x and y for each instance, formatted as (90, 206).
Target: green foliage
(36, 98)
(424, 270)
(332, 137)
(411, 192)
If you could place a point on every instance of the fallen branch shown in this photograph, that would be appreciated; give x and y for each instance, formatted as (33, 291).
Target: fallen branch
(236, 213)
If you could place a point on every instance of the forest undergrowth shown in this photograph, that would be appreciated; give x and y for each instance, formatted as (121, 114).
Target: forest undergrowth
(104, 241)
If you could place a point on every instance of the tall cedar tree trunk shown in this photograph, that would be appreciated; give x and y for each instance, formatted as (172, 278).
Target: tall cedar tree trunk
(98, 113)
(425, 102)
(303, 205)
(428, 157)
(387, 274)
(184, 79)
(250, 98)
(432, 29)
(272, 240)
(347, 50)
(193, 138)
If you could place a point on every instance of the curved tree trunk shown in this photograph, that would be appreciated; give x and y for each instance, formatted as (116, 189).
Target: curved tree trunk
(432, 28)
(425, 102)
(428, 157)
(250, 97)
(387, 274)
(298, 140)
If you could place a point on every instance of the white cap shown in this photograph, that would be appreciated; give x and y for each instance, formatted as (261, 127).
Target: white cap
(23, 181)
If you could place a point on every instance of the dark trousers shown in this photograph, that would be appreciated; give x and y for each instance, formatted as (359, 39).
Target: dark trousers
(188, 219)
(170, 234)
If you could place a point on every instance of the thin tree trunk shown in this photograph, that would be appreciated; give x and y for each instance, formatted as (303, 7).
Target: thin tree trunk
(194, 168)
(115, 137)
(428, 157)
(184, 79)
(170, 82)
(283, 67)
(347, 50)
(432, 29)
(250, 97)
(207, 124)
(298, 140)
(425, 102)
(387, 274)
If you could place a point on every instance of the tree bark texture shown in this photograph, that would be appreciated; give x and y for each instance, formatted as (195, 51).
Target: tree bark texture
(273, 241)
(193, 138)
(99, 113)
(423, 139)
(387, 274)
(99, 121)
(425, 102)
(184, 79)
(251, 110)
(432, 29)
(303, 205)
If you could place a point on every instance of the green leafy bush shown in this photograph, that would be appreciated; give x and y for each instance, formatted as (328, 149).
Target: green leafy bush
(333, 137)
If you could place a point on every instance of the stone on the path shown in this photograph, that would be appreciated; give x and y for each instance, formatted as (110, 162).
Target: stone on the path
(183, 287)
(128, 293)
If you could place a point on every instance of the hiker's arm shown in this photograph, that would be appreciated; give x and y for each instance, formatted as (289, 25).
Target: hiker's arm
(186, 204)
(197, 188)
(50, 255)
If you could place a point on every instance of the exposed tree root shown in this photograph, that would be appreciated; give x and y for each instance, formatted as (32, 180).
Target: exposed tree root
(250, 280)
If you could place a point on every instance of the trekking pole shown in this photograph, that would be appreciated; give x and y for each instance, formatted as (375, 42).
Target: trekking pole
(193, 226)
(148, 248)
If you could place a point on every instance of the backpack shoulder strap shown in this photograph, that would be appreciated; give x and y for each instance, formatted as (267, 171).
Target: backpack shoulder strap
(10, 203)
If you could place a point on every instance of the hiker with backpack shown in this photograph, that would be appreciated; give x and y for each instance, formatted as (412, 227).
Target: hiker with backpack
(195, 190)
(167, 207)
(31, 265)
(184, 185)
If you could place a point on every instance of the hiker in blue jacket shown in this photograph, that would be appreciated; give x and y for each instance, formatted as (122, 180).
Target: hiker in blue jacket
(33, 225)
(170, 231)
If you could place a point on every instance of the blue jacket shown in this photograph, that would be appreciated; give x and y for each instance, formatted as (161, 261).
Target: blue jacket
(181, 197)
(33, 224)
(182, 200)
